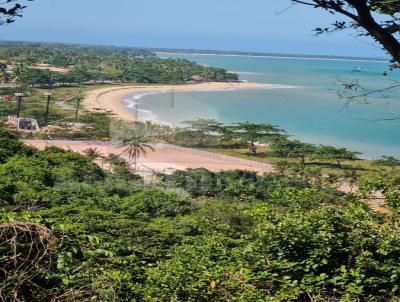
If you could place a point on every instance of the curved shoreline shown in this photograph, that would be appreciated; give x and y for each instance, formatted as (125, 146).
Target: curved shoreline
(112, 98)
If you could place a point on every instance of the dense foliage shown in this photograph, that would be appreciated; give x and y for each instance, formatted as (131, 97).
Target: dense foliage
(37, 63)
(211, 133)
(70, 231)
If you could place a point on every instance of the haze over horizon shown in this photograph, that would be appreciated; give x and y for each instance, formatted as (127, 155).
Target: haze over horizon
(229, 25)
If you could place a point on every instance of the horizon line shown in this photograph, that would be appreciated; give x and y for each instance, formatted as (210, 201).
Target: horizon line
(211, 51)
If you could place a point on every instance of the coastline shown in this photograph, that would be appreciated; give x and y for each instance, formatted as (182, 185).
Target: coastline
(112, 98)
(294, 57)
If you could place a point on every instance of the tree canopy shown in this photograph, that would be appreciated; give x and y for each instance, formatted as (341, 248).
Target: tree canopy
(389, 161)
(338, 154)
(378, 19)
(61, 63)
(70, 231)
(252, 133)
(294, 149)
(10, 9)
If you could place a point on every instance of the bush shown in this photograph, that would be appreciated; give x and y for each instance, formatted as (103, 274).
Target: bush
(72, 232)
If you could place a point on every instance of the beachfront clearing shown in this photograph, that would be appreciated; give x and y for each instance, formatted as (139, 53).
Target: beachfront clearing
(165, 158)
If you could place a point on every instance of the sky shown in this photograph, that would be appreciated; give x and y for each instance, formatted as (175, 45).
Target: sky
(272, 26)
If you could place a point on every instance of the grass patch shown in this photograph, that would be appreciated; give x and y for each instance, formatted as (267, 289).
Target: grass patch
(266, 155)
(62, 109)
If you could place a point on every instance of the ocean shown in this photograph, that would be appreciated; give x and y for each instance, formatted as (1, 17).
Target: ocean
(310, 111)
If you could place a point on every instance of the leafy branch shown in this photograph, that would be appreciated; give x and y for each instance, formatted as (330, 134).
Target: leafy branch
(9, 10)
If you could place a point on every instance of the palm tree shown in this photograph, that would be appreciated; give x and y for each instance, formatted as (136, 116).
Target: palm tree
(351, 177)
(113, 159)
(136, 147)
(93, 154)
(19, 72)
(4, 78)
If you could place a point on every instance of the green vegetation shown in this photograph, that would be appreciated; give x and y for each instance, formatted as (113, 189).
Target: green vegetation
(70, 231)
(43, 64)
(63, 106)
(293, 149)
(213, 134)
(267, 155)
(70, 71)
(62, 111)
(249, 133)
(269, 144)
(135, 147)
(388, 161)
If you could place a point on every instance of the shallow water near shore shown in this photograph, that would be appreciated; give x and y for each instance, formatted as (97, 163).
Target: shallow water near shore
(311, 112)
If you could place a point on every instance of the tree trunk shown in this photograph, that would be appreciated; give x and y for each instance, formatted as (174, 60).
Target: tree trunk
(367, 21)
(364, 19)
(253, 150)
(135, 163)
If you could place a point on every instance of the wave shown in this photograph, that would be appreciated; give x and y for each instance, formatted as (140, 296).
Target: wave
(294, 57)
(132, 102)
(247, 72)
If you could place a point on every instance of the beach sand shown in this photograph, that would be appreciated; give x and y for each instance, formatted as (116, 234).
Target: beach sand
(164, 160)
(111, 98)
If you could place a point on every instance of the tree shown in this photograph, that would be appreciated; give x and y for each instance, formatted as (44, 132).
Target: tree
(283, 167)
(389, 161)
(113, 159)
(351, 177)
(93, 153)
(338, 154)
(294, 149)
(4, 78)
(10, 145)
(378, 19)
(9, 9)
(315, 175)
(254, 133)
(20, 74)
(135, 147)
(201, 128)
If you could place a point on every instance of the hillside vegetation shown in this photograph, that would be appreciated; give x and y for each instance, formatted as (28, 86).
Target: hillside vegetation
(43, 64)
(70, 231)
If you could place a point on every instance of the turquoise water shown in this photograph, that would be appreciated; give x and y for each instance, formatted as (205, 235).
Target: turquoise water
(311, 111)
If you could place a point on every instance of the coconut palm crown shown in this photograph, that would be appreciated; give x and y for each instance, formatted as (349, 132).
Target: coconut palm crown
(136, 147)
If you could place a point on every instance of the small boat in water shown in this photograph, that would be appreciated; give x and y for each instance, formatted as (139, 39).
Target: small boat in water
(358, 69)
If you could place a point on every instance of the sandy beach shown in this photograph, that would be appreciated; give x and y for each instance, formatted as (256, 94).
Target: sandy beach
(111, 98)
(164, 158)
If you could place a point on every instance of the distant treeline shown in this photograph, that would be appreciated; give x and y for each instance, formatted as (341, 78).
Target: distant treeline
(82, 63)
(259, 54)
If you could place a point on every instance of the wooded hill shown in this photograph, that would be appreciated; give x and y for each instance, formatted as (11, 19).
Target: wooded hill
(41, 63)
(70, 231)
